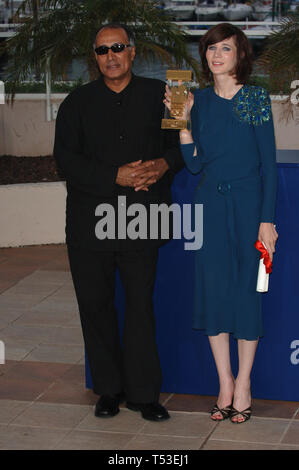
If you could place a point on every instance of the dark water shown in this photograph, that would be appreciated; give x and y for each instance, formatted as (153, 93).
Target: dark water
(153, 69)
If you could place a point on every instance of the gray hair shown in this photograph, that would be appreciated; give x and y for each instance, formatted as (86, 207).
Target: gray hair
(127, 30)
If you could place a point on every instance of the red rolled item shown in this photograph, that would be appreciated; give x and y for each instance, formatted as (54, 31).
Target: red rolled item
(265, 255)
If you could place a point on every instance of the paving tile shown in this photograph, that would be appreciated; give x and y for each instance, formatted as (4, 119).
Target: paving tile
(124, 421)
(17, 349)
(57, 265)
(287, 447)
(42, 392)
(30, 288)
(19, 300)
(68, 285)
(29, 250)
(274, 409)
(186, 402)
(15, 252)
(63, 301)
(41, 258)
(292, 434)
(9, 409)
(37, 370)
(52, 415)
(53, 249)
(3, 257)
(260, 430)
(90, 440)
(19, 263)
(69, 354)
(10, 314)
(74, 320)
(67, 288)
(47, 333)
(16, 389)
(70, 388)
(142, 442)
(182, 424)
(214, 444)
(2, 325)
(41, 318)
(64, 392)
(57, 305)
(82, 361)
(5, 285)
(42, 276)
(67, 293)
(7, 251)
(29, 438)
(4, 368)
(164, 398)
(74, 375)
(14, 273)
(33, 261)
(28, 380)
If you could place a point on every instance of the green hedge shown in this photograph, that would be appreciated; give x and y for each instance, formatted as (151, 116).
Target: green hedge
(67, 87)
(40, 87)
(272, 88)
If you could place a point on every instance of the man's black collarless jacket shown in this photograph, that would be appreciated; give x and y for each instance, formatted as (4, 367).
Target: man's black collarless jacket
(97, 131)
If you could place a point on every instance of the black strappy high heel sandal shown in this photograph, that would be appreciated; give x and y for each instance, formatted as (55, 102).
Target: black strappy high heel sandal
(225, 412)
(245, 413)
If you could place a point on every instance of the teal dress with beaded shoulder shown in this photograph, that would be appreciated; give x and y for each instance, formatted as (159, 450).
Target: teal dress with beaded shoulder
(236, 167)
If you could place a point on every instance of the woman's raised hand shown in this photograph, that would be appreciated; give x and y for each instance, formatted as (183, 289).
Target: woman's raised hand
(188, 105)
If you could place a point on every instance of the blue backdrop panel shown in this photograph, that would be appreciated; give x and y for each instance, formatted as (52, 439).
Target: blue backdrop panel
(186, 359)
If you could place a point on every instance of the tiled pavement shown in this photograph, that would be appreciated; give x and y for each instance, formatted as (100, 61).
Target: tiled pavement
(43, 400)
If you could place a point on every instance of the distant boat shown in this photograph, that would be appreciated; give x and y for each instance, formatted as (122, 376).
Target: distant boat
(209, 11)
(181, 9)
(261, 11)
(264, 27)
(2, 8)
(294, 5)
(236, 12)
(10, 9)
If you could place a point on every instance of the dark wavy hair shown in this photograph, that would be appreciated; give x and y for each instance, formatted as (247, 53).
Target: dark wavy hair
(244, 50)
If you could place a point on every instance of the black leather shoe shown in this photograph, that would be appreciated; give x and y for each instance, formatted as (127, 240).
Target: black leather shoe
(108, 405)
(150, 411)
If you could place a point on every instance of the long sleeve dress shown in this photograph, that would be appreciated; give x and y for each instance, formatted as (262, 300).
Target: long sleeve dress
(236, 162)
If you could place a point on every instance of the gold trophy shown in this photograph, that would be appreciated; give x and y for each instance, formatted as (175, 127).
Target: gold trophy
(179, 82)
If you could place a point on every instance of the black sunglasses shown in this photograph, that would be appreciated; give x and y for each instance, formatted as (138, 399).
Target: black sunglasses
(117, 47)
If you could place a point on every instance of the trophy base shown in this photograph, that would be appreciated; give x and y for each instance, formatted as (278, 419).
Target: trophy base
(174, 124)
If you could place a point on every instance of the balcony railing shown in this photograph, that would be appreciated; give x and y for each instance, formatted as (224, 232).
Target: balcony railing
(254, 29)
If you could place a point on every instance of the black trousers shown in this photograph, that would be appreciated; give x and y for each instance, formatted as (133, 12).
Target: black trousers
(133, 367)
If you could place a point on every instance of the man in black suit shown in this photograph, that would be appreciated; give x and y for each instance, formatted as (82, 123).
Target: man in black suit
(109, 143)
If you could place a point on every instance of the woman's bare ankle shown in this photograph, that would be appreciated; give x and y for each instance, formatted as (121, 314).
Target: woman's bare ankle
(226, 391)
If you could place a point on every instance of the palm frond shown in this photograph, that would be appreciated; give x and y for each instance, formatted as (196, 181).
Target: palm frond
(65, 29)
(281, 55)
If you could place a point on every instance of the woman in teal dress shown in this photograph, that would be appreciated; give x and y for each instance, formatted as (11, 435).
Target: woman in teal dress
(232, 148)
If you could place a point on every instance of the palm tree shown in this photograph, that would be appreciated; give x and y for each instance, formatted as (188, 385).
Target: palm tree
(280, 58)
(59, 31)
